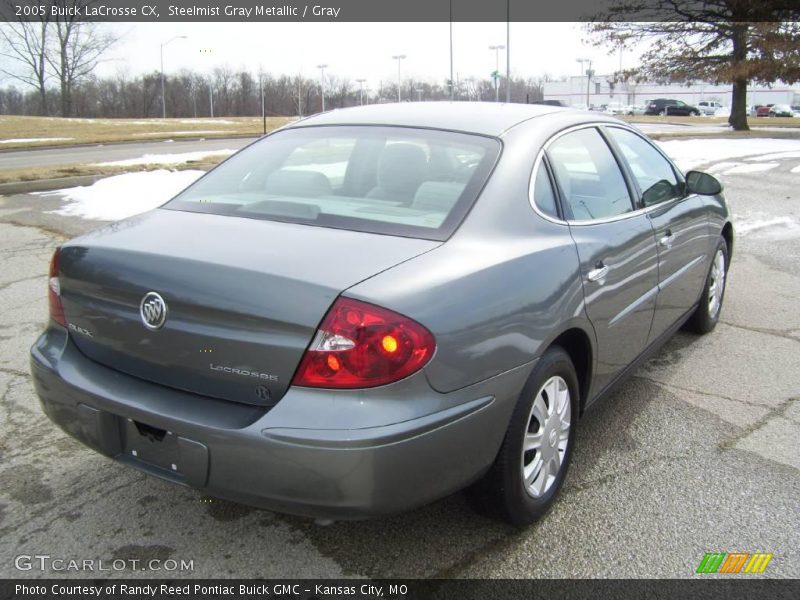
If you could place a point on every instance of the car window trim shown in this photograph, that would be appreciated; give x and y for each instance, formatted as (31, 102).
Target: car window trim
(562, 201)
(540, 157)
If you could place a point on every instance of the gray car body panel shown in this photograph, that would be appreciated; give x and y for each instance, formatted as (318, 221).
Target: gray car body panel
(495, 295)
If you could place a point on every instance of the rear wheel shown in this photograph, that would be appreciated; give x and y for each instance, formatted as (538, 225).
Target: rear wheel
(533, 460)
(706, 315)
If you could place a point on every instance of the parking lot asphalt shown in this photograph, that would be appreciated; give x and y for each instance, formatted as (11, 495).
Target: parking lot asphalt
(699, 451)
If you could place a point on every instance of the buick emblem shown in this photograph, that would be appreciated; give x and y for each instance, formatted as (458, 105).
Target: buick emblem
(153, 311)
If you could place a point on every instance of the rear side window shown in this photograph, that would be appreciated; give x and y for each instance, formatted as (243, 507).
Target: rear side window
(652, 172)
(543, 192)
(393, 180)
(589, 177)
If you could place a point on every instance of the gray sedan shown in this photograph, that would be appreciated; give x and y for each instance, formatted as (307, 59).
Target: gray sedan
(375, 307)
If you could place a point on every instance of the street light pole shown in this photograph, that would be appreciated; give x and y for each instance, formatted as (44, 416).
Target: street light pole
(398, 58)
(163, 94)
(588, 75)
(361, 90)
(496, 73)
(322, 83)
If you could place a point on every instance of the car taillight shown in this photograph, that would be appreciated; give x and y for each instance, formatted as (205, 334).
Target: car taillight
(54, 291)
(360, 345)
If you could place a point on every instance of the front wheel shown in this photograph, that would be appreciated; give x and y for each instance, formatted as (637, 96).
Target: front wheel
(706, 315)
(533, 460)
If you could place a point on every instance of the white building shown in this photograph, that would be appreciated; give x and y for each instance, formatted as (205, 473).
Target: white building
(601, 90)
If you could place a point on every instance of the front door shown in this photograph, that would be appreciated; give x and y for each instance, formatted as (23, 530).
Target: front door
(680, 225)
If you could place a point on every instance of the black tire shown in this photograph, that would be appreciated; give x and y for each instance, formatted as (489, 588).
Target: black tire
(702, 320)
(502, 491)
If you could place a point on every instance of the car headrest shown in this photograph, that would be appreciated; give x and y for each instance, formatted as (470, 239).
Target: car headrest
(439, 196)
(299, 183)
(402, 167)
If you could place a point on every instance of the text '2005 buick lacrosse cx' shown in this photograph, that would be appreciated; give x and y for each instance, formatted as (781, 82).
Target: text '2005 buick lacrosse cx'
(375, 307)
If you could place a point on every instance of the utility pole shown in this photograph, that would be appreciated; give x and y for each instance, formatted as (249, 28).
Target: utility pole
(361, 90)
(508, 51)
(496, 74)
(322, 83)
(398, 58)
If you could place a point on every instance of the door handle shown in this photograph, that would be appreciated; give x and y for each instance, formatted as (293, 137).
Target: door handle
(598, 273)
(667, 239)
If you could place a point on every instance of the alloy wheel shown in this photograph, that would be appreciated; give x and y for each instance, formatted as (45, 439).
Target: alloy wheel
(546, 437)
(717, 284)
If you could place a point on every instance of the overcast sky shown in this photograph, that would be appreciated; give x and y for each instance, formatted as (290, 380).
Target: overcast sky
(357, 50)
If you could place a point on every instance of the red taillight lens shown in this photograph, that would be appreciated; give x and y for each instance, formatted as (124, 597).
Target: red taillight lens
(54, 291)
(359, 345)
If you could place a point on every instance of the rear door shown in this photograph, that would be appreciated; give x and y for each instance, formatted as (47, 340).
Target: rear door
(680, 225)
(616, 247)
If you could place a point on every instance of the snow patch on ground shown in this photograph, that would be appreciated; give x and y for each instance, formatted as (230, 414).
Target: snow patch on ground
(188, 132)
(726, 168)
(214, 121)
(795, 169)
(763, 225)
(165, 159)
(122, 196)
(689, 154)
(24, 140)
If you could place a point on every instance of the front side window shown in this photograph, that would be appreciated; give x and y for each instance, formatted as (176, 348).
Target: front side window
(652, 172)
(392, 180)
(589, 177)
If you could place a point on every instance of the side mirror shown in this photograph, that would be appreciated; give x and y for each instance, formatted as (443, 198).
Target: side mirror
(701, 183)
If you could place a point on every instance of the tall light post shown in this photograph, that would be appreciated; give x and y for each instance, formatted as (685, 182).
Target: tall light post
(322, 83)
(496, 74)
(361, 90)
(589, 74)
(207, 51)
(163, 94)
(398, 58)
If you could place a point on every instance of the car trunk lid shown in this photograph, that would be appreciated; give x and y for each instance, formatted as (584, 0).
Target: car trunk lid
(243, 297)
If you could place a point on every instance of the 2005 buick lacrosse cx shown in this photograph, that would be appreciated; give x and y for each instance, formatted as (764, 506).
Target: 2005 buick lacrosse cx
(372, 308)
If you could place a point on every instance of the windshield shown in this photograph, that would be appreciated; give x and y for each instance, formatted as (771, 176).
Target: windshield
(393, 180)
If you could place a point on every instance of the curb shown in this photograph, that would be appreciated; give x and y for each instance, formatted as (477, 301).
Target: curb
(45, 185)
(188, 138)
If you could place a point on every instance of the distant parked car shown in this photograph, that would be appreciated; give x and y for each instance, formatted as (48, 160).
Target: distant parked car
(671, 107)
(635, 109)
(709, 107)
(615, 108)
(780, 110)
(796, 110)
(761, 110)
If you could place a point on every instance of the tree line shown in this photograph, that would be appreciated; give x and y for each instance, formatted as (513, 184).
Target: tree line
(226, 92)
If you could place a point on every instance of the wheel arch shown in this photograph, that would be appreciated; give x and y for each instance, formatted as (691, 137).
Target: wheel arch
(727, 233)
(577, 343)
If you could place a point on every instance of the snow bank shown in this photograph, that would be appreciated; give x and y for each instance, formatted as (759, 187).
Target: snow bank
(122, 196)
(689, 154)
(166, 159)
(24, 140)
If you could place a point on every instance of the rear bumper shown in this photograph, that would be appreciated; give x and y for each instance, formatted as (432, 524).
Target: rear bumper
(406, 445)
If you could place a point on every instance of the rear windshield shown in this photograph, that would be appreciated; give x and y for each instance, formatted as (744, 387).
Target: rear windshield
(392, 180)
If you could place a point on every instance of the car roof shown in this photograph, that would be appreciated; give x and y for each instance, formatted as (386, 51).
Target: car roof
(484, 118)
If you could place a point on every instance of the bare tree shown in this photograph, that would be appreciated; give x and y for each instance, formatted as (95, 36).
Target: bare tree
(25, 43)
(77, 48)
